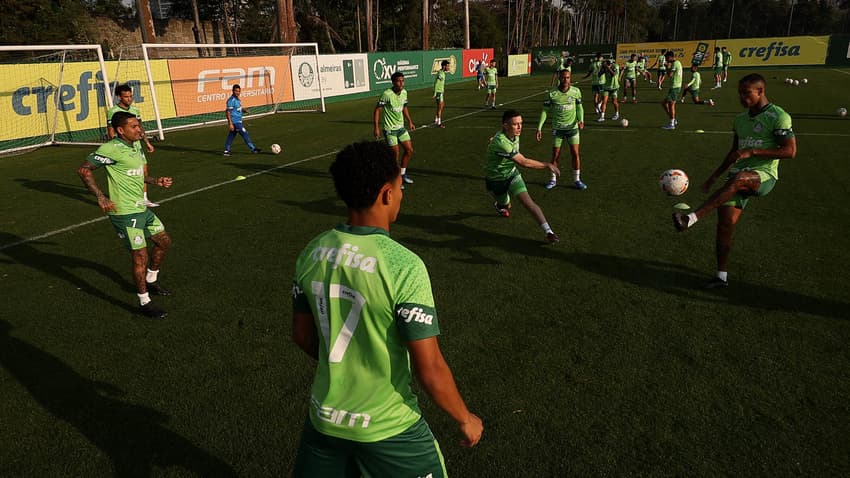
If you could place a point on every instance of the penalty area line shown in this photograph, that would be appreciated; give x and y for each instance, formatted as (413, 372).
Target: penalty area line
(172, 198)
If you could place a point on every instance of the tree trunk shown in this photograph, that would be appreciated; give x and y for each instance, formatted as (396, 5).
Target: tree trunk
(425, 25)
(146, 21)
(370, 39)
(286, 21)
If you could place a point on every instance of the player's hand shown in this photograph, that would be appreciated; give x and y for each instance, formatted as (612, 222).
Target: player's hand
(164, 182)
(412, 126)
(581, 125)
(739, 154)
(472, 429)
(105, 204)
(554, 169)
(539, 135)
(150, 147)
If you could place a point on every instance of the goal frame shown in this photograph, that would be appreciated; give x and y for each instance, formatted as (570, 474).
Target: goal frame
(56, 95)
(151, 84)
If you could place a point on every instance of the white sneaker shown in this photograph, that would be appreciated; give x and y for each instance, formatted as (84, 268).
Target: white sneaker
(615, 117)
(552, 183)
(601, 119)
(710, 102)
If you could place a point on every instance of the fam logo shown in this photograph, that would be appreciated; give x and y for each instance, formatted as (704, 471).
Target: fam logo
(245, 77)
(306, 75)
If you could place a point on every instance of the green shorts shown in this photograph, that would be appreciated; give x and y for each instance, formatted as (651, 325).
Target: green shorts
(596, 89)
(661, 72)
(132, 229)
(673, 95)
(740, 200)
(504, 189)
(396, 136)
(610, 92)
(693, 92)
(413, 452)
(718, 70)
(438, 97)
(491, 88)
(559, 135)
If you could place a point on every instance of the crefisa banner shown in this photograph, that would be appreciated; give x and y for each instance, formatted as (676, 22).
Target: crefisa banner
(777, 51)
(341, 75)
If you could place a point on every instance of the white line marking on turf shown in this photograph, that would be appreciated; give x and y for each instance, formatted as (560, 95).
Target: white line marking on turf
(182, 195)
(841, 71)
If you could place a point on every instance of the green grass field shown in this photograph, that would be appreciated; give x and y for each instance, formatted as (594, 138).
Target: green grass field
(599, 356)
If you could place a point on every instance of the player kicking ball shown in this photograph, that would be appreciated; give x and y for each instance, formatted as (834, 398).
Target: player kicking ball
(763, 137)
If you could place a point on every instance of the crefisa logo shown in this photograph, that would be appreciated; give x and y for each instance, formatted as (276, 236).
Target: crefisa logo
(773, 49)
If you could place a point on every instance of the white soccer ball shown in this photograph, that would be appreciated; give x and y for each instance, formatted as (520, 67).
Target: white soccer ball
(624, 123)
(674, 182)
(787, 80)
(842, 112)
(796, 82)
(804, 81)
(276, 148)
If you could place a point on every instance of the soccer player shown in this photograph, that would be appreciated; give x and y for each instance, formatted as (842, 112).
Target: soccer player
(479, 73)
(597, 81)
(363, 308)
(610, 88)
(642, 67)
(124, 161)
(562, 65)
(727, 59)
(661, 68)
(763, 136)
(439, 90)
(693, 88)
(564, 105)
(390, 113)
(502, 178)
(125, 104)
(491, 78)
(629, 74)
(718, 68)
(234, 114)
(674, 71)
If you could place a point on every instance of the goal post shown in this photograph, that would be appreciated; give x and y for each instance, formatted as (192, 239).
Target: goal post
(52, 94)
(190, 83)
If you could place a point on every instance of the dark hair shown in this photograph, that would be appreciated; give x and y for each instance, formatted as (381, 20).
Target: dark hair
(507, 115)
(444, 63)
(751, 79)
(234, 87)
(397, 74)
(122, 89)
(120, 119)
(360, 170)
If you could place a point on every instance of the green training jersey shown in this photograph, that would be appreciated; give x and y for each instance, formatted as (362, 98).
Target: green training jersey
(499, 165)
(490, 75)
(440, 82)
(117, 108)
(696, 81)
(676, 74)
(770, 128)
(641, 63)
(630, 69)
(393, 109)
(596, 75)
(727, 58)
(369, 296)
(125, 172)
(661, 62)
(612, 82)
(564, 107)
(718, 60)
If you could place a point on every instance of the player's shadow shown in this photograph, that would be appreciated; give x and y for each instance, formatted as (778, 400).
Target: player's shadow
(65, 267)
(133, 436)
(679, 280)
(73, 191)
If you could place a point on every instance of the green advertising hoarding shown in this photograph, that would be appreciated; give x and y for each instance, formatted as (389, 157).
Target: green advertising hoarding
(545, 60)
(432, 59)
(419, 67)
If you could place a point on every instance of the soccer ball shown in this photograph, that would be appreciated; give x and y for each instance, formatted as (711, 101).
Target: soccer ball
(624, 123)
(674, 182)
(276, 148)
(787, 80)
(804, 81)
(796, 82)
(842, 112)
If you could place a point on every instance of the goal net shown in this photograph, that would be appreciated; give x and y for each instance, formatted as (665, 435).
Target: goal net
(192, 82)
(52, 94)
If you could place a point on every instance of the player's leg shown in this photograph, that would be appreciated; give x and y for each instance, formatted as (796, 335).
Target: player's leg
(734, 192)
(556, 155)
(575, 157)
(525, 199)
(407, 153)
(244, 132)
(413, 452)
(155, 231)
(727, 219)
(604, 106)
(616, 103)
(440, 104)
(228, 143)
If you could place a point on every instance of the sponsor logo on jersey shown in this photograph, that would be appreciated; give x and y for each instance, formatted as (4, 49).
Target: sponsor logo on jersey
(750, 142)
(415, 314)
(102, 159)
(345, 256)
(341, 417)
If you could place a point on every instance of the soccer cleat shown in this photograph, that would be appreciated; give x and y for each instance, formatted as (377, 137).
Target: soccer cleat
(682, 101)
(493, 106)
(156, 289)
(406, 179)
(256, 150)
(615, 117)
(580, 185)
(710, 102)
(715, 283)
(668, 126)
(152, 311)
(226, 153)
(634, 101)
(149, 203)
(552, 238)
(601, 119)
(552, 183)
(503, 211)
(681, 221)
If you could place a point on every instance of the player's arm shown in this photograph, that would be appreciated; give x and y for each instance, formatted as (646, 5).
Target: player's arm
(376, 118)
(161, 181)
(728, 161)
(541, 123)
(86, 173)
(304, 333)
(535, 164)
(229, 118)
(147, 141)
(110, 132)
(579, 114)
(406, 113)
(436, 378)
